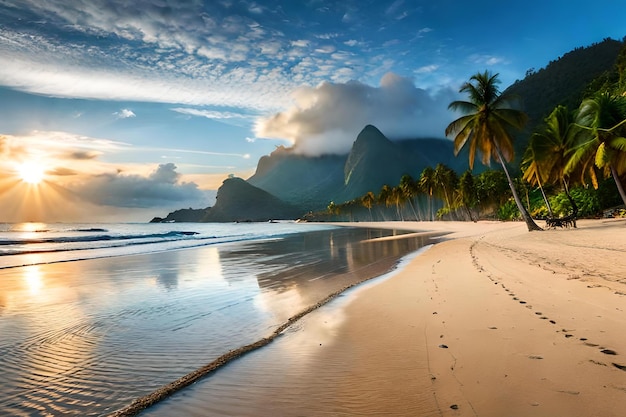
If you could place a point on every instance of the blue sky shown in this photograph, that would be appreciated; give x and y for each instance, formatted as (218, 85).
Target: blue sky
(136, 108)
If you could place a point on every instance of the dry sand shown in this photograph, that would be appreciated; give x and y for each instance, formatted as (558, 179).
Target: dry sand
(493, 321)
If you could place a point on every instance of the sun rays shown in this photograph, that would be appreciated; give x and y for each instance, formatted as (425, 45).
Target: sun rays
(31, 172)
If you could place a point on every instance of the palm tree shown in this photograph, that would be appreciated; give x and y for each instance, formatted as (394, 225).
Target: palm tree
(532, 173)
(368, 201)
(550, 151)
(385, 196)
(398, 199)
(410, 190)
(604, 118)
(467, 193)
(445, 180)
(427, 184)
(486, 125)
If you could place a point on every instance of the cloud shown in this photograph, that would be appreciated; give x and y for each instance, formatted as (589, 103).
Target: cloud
(210, 114)
(124, 114)
(72, 163)
(161, 188)
(427, 69)
(327, 118)
(487, 59)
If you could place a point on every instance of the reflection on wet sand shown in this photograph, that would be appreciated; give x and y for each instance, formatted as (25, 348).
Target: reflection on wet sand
(297, 271)
(87, 337)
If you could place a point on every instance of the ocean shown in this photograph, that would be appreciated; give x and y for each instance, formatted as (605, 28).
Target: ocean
(86, 328)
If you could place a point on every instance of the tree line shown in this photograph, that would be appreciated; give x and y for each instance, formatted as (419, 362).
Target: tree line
(581, 148)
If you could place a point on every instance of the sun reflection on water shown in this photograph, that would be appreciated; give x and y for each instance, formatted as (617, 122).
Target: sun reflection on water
(33, 278)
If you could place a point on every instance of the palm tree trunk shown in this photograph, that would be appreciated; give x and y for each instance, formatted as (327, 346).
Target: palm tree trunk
(618, 182)
(429, 215)
(543, 193)
(530, 223)
(570, 198)
(413, 208)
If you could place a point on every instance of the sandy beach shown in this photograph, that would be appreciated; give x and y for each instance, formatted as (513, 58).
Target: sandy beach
(513, 324)
(492, 321)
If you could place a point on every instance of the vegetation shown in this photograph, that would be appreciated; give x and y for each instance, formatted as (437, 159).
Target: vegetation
(487, 125)
(574, 163)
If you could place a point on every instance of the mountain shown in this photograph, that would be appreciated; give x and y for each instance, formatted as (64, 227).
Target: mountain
(237, 200)
(299, 179)
(566, 80)
(373, 161)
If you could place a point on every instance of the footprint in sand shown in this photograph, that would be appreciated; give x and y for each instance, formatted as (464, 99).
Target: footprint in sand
(618, 366)
(608, 352)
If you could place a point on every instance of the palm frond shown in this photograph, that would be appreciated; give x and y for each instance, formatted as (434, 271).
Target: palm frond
(462, 106)
(618, 143)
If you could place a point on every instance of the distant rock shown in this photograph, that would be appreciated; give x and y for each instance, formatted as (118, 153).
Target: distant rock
(237, 200)
(183, 215)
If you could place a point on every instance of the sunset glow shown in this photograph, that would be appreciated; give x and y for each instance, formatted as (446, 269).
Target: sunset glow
(31, 172)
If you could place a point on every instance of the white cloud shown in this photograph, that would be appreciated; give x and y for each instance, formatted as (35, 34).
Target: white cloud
(325, 49)
(124, 114)
(487, 59)
(327, 118)
(210, 114)
(427, 69)
(300, 43)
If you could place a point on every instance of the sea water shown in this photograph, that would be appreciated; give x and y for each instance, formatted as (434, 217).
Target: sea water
(85, 328)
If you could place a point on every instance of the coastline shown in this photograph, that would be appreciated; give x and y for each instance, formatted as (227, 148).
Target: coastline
(491, 321)
(516, 324)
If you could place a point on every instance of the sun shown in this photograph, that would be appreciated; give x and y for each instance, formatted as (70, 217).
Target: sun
(31, 172)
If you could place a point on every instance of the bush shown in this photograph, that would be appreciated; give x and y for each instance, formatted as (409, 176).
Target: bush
(508, 211)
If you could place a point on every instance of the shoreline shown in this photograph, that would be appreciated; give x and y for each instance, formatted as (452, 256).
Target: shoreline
(517, 324)
(491, 321)
(369, 272)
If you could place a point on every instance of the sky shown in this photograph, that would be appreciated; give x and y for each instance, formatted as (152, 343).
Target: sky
(124, 110)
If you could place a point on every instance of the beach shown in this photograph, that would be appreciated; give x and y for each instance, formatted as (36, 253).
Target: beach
(491, 321)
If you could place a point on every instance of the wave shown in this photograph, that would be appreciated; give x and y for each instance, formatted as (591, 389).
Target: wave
(95, 238)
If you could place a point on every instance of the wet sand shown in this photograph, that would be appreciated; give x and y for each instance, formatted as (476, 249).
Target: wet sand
(89, 337)
(492, 321)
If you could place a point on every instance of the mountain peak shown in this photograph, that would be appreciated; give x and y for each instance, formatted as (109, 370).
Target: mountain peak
(369, 134)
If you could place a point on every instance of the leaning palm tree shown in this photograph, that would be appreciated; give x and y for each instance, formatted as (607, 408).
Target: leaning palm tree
(604, 118)
(549, 150)
(486, 126)
(533, 174)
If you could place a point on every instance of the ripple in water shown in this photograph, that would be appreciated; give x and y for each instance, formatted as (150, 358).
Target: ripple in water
(87, 337)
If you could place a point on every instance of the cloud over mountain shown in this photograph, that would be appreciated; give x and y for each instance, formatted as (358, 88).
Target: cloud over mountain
(327, 118)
